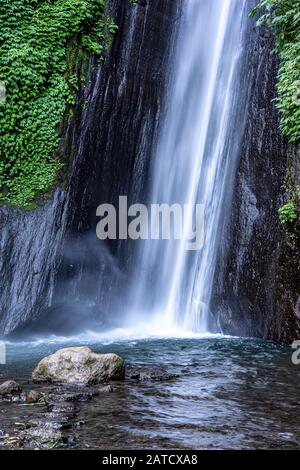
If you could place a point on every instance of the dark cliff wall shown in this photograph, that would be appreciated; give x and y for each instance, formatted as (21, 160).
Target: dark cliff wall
(257, 282)
(116, 147)
(52, 264)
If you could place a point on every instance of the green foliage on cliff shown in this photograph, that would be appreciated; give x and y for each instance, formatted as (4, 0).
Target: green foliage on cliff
(288, 213)
(34, 37)
(283, 16)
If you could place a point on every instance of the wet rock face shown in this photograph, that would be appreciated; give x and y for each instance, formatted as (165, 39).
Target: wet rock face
(79, 365)
(125, 104)
(257, 284)
(52, 255)
(53, 420)
(29, 244)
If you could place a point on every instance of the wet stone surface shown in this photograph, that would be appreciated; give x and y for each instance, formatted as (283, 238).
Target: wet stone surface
(46, 418)
(150, 373)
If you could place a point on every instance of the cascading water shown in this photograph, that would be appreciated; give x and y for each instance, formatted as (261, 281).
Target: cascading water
(195, 159)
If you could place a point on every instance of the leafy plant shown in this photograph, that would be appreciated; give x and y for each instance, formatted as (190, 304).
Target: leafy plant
(288, 213)
(283, 17)
(34, 39)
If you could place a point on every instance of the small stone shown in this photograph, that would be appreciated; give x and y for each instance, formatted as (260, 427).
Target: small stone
(14, 398)
(34, 397)
(20, 425)
(106, 389)
(64, 407)
(70, 440)
(78, 424)
(9, 388)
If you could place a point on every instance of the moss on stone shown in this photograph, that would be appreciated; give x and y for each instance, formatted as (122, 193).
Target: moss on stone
(36, 55)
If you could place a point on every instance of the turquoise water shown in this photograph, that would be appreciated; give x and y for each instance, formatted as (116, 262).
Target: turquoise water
(230, 393)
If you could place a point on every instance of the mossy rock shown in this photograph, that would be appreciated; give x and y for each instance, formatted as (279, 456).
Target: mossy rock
(79, 364)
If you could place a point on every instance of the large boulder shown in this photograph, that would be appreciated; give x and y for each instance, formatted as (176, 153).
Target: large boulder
(79, 364)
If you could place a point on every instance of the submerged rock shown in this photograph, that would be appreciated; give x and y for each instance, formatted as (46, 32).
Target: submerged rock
(71, 392)
(42, 435)
(34, 396)
(47, 431)
(106, 389)
(150, 373)
(79, 364)
(10, 388)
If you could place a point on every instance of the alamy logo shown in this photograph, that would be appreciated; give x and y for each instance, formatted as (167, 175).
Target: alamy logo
(162, 222)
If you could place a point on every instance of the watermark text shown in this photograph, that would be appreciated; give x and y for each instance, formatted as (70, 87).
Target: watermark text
(158, 222)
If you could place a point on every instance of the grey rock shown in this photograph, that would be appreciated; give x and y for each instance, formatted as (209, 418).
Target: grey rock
(69, 440)
(79, 365)
(43, 435)
(67, 408)
(71, 393)
(106, 389)
(30, 241)
(10, 388)
(78, 424)
(33, 396)
(150, 373)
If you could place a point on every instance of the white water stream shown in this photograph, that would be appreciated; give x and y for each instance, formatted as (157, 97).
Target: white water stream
(195, 159)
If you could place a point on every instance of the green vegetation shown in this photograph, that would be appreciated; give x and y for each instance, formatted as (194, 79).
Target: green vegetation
(283, 16)
(288, 213)
(34, 40)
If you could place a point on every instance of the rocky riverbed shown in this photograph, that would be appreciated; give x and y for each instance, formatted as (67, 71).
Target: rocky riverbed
(55, 416)
(79, 376)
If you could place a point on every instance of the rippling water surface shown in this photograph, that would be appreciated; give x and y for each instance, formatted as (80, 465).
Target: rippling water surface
(230, 393)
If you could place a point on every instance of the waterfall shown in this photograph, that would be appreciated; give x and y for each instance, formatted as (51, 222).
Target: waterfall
(194, 162)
